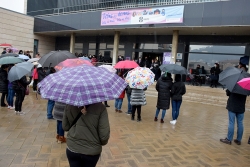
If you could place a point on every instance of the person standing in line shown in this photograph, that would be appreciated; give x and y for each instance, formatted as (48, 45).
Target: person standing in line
(118, 102)
(163, 87)
(215, 71)
(4, 84)
(58, 115)
(35, 79)
(177, 91)
(4, 51)
(51, 103)
(20, 87)
(138, 99)
(128, 93)
(236, 109)
(11, 94)
(86, 137)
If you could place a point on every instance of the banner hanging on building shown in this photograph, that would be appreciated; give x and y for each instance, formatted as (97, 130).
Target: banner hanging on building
(160, 15)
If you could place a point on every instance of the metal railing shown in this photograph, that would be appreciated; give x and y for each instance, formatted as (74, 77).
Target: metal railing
(113, 5)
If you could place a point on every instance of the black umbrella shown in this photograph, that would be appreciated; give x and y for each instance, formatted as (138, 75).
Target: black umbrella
(9, 55)
(55, 57)
(173, 68)
(229, 78)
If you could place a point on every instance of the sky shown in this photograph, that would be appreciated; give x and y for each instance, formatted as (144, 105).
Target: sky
(14, 5)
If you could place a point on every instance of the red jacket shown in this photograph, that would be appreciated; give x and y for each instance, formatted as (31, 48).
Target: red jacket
(122, 95)
(35, 74)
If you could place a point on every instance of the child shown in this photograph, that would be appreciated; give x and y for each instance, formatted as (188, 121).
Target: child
(138, 99)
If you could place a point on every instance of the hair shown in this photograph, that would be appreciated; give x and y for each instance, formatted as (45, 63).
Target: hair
(177, 77)
(20, 52)
(119, 74)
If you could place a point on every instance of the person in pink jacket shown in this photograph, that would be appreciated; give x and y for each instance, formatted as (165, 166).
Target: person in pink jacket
(35, 79)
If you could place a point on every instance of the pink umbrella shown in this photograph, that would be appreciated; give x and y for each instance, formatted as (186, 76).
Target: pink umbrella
(245, 83)
(127, 64)
(71, 63)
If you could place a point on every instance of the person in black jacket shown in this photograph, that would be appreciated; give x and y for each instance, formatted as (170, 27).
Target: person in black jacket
(236, 109)
(163, 87)
(4, 84)
(20, 86)
(177, 91)
(41, 74)
(215, 71)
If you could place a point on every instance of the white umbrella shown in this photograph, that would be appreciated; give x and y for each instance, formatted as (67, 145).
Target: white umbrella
(24, 57)
(33, 60)
(109, 68)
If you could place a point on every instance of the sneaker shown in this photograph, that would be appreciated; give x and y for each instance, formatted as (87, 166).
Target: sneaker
(237, 142)
(132, 118)
(21, 113)
(12, 108)
(16, 112)
(226, 141)
(128, 113)
(9, 106)
(173, 122)
(138, 119)
(61, 139)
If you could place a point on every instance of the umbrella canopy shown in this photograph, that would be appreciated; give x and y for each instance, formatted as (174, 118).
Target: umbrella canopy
(85, 58)
(72, 63)
(10, 60)
(24, 57)
(14, 50)
(33, 60)
(229, 78)
(109, 68)
(9, 55)
(173, 68)
(19, 70)
(5, 45)
(55, 57)
(127, 64)
(245, 83)
(82, 85)
(140, 78)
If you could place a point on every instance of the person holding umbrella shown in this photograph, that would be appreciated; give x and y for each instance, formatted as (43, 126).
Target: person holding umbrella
(163, 87)
(118, 101)
(4, 84)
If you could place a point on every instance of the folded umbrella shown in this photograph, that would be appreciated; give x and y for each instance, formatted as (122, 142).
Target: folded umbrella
(55, 57)
(19, 70)
(140, 78)
(245, 83)
(82, 85)
(173, 68)
(33, 60)
(24, 57)
(127, 64)
(229, 78)
(10, 60)
(109, 68)
(72, 63)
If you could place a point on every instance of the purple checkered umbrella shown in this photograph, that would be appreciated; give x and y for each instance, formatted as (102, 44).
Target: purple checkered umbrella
(82, 85)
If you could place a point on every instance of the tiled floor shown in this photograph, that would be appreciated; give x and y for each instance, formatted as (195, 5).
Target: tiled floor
(29, 140)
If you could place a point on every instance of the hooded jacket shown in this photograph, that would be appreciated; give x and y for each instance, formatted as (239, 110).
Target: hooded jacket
(163, 87)
(138, 97)
(178, 90)
(236, 102)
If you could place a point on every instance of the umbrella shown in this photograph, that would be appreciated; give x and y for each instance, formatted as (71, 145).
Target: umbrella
(229, 78)
(9, 55)
(33, 60)
(82, 85)
(109, 68)
(35, 63)
(140, 78)
(72, 63)
(55, 57)
(10, 60)
(173, 68)
(127, 64)
(19, 70)
(5, 45)
(85, 58)
(245, 83)
(14, 50)
(24, 57)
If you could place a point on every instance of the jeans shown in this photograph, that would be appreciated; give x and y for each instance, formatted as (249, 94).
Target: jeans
(176, 104)
(158, 111)
(118, 104)
(4, 95)
(129, 105)
(50, 107)
(60, 130)
(10, 97)
(240, 128)
(138, 107)
(81, 160)
(20, 94)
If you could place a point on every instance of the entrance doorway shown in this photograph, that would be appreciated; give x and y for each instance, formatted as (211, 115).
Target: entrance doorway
(152, 56)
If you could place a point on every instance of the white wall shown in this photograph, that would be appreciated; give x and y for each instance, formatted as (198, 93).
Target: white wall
(17, 29)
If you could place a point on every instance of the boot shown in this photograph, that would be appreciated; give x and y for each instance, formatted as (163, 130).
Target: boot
(162, 121)
(106, 104)
(132, 118)
(120, 111)
(57, 137)
(156, 119)
(61, 139)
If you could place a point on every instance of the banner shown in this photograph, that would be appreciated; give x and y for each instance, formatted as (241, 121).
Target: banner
(166, 58)
(160, 15)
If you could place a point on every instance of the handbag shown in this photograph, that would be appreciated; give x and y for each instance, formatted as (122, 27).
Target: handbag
(27, 91)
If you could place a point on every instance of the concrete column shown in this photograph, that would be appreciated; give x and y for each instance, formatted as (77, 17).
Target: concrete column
(174, 45)
(247, 53)
(72, 43)
(116, 47)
